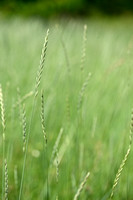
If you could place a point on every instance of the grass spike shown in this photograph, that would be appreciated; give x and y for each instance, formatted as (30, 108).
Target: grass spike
(42, 119)
(45, 139)
(81, 186)
(6, 181)
(83, 55)
(24, 127)
(2, 112)
(22, 118)
(41, 65)
(57, 167)
(81, 94)
(3, 134)
(38, 78)
(116, 181)
(56, 145)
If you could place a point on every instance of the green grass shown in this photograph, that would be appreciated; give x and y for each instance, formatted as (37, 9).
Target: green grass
(95, 138)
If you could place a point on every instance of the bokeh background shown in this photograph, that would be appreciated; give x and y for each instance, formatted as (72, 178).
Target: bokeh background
(56, 8)
(88, 116)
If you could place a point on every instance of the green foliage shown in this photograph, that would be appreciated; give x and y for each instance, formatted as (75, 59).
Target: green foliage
(43, 8)
(55, 8)
(94, 138)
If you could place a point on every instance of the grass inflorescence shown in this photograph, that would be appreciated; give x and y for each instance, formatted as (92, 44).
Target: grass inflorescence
(116, 181)
(82, 121)
(41, 66)
(81, 187)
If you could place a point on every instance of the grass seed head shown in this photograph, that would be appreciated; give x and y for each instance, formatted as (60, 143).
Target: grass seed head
(6, 181)
(41, 65)
(81, 186)
(2, 112)
(116, 181)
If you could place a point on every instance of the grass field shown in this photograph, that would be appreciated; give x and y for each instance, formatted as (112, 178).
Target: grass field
(91, 114)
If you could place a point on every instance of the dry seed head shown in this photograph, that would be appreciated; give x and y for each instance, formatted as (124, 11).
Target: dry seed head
(6, 181)
(124, 160)
(81, 186)
(41, 65)
(2, 112)
(42, 119)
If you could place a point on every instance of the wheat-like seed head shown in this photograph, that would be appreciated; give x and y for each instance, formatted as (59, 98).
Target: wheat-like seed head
(24, 127)
(2, 112)
(124, 160)
(83, 55)
(6, 181)
(57, 166)
(81, 186)
(42, 119)
(41, 65)
(22, 118)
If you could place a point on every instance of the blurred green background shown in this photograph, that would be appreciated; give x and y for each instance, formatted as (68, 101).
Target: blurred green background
(56, 8)
(95, 137)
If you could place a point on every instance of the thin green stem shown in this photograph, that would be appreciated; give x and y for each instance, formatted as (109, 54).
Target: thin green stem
(26, 149)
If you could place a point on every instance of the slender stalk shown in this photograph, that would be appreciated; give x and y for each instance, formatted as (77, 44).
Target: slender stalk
(57, 172)
(56, 145)
(3, 135)
(38, 80)
(81, 186)
(116, 181)
(24, 126)
(26, 148)
(16, 179)
(45, 138)
(82, 91)
(6, 181)
(83, 53)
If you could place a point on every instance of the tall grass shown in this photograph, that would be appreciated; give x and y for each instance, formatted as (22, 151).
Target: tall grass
(84, 120)
(38, 80)
(3, 135)
(116, 181)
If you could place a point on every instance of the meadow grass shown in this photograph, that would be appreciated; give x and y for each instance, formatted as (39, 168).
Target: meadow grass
(80, 123)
